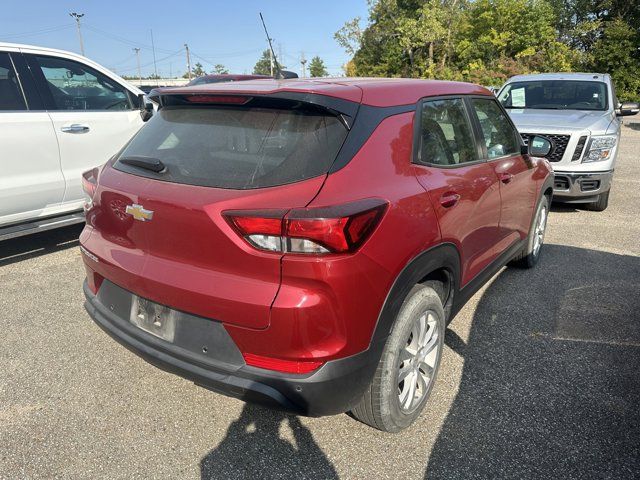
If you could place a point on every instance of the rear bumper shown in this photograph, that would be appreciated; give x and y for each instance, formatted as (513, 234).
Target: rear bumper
(334, 388)
(582, 187)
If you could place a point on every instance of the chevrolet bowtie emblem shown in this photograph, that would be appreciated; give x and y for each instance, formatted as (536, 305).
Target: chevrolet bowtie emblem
(139, 213)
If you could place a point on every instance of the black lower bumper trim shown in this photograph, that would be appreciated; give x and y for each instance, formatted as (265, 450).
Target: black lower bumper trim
(334, 388)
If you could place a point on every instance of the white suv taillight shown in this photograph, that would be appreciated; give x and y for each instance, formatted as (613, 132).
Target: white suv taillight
(89, 185)
(335, 229)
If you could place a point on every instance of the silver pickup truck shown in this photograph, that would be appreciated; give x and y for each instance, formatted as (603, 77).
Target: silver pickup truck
(579, 114)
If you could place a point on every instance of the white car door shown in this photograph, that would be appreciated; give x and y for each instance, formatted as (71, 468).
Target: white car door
(31, 180)
(93, 116)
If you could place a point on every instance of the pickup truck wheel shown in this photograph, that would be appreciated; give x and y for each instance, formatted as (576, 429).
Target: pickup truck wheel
(601, 204)
(530, 254)
(409, 364)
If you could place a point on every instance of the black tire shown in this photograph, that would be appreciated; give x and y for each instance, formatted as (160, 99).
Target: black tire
(380, 406)
(529, 256)
(601, 204)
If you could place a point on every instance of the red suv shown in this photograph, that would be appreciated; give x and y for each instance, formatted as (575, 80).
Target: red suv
(303, 244)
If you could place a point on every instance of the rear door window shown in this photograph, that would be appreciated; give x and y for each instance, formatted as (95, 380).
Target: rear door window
(499, 136)
(11, 97)
(446, 137)
(237, 147)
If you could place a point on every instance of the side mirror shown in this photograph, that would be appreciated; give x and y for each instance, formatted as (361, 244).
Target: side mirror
(146, 107)
(628, 108)
(537, 147)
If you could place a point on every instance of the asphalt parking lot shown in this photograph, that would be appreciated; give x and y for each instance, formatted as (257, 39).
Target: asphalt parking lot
(540, 377)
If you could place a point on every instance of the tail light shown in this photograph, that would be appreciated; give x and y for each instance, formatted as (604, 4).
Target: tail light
(336, 229)
(90, 183)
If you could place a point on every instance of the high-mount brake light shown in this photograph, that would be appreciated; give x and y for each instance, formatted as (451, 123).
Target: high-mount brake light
(219, 99)
(336, 229)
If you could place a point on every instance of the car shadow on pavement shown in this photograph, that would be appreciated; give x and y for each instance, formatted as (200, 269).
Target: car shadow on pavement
(34, 245)
(550, 386)
(254, 448)
(565, 207)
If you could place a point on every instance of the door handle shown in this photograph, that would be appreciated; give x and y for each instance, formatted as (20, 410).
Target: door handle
(75, 128)
(505, 177)
(449, 199)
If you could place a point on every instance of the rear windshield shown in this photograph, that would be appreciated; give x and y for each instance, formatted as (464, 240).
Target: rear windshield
(236, 147)
(555, 95)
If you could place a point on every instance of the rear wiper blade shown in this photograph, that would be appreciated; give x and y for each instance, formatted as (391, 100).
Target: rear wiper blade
(140, 161)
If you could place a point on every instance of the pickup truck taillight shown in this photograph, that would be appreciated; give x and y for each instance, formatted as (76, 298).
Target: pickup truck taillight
(336, 229)
(90, 182)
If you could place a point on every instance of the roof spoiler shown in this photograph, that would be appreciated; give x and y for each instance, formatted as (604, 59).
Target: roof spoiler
(345, 110)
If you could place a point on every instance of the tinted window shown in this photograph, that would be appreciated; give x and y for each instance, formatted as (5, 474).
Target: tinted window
(555, 95)
(499, 136)
(237, 147)
(75, 86)
(10, 93)
(445, 133)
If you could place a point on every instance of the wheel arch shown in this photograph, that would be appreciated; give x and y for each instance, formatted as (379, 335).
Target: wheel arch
(437, 265)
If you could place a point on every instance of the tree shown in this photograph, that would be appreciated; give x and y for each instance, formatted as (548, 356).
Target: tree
(219, 69)
(196, 71)
(317, 67)
(488, 41)
(614, 52)
(263, 65)
(349, 36)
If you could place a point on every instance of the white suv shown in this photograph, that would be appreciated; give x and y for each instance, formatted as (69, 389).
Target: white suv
(60, 115)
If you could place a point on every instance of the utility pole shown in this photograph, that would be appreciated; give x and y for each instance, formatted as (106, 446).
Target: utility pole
(155, 66)
(78, 16)
(137, 50)
(303, 61)
(188, 61)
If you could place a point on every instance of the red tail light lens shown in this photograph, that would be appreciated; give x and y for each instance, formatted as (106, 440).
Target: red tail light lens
(337, 229)
(90, 181)
(279, 365)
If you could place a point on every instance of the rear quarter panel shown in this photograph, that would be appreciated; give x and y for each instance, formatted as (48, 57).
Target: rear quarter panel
(343, 295)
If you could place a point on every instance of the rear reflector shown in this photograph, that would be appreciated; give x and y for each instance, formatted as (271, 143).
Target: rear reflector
(228, 99)
(278, 365)
(336, 229)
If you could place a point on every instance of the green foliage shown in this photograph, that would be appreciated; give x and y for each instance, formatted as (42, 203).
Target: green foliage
(611, 54)
(317, 67)
(487, 41)
(263, 65)
(219, 69)
(196, 71)
(349, 36)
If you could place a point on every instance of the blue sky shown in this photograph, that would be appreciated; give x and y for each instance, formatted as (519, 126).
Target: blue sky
(226, 32)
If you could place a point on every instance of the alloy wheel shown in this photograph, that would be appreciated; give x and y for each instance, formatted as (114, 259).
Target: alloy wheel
(418, 362)
(538, 232)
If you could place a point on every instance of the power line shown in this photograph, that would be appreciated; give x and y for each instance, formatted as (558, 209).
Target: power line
(126, 41)
(42, 31)
(129, 69)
